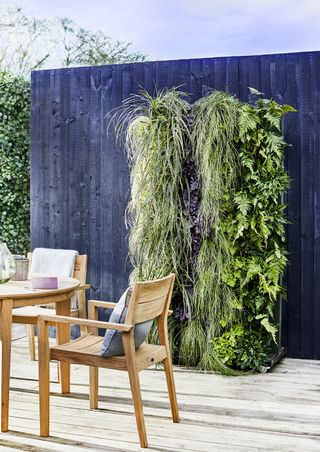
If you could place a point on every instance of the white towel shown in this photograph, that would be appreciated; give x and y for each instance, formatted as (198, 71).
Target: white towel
(53, 262)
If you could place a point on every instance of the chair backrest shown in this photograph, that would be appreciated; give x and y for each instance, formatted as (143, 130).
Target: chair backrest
(80, 268)
(150, 299)
(80, 273)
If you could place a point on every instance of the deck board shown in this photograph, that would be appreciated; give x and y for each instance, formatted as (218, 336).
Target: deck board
(278, 411)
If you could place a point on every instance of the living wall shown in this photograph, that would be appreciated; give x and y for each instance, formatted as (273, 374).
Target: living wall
(207, 180)
(14, 162)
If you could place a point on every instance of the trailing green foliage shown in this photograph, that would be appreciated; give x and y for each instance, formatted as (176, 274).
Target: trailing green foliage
(14, 162)
(255, 231)
(212, 134)
(160, 240)
(205, 203)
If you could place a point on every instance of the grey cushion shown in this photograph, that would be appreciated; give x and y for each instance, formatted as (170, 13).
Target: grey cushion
(112, 342)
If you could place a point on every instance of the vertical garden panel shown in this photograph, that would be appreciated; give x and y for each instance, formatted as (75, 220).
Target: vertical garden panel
(80, 178)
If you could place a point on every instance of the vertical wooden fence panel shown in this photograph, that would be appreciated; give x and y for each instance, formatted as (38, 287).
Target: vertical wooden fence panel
(80, 179)
(316, 205)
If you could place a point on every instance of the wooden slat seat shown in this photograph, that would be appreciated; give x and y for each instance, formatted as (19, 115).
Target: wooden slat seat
(88, 344)
(86, 350)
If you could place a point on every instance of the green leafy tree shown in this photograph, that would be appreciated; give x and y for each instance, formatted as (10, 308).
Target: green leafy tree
(28, 43)
(84, 47)
(25, 42)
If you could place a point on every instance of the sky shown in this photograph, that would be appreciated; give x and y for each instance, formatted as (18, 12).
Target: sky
(175, 29)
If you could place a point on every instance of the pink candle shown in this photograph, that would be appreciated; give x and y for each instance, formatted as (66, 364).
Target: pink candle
(44, 282)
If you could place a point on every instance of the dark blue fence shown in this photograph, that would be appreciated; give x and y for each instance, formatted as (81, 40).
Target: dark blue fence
(80, 183)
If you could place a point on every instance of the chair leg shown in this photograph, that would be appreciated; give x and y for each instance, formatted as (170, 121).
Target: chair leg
(138, 408)
(32, 348)
(93, 387)
(171, 389)
(44, 377)
(129, 350)
(58, 373)
(58, 364)
(63, 336)
(167, 363)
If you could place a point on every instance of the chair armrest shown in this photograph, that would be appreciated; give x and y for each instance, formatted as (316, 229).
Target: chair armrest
(83, 287)
(93, 306)
(102, 304)
(85, 322)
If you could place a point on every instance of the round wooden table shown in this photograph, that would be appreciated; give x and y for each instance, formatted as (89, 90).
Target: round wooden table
(15, 294)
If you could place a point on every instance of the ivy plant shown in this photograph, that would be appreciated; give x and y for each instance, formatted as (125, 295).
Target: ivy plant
(14, 162)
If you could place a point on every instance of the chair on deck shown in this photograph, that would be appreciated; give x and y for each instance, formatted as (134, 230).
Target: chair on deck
(149, 300)
(29, 314)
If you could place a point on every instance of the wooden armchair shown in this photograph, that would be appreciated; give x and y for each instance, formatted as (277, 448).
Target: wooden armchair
(29, 314)
(149, 300)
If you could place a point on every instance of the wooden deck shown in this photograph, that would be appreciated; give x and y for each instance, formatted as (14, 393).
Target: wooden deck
(277, 411)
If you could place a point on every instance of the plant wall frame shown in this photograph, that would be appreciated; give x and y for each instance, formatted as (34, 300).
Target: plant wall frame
(206, 186)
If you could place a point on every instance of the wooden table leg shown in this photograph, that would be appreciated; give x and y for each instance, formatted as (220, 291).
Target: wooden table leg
(6, 326)
(63, 335)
